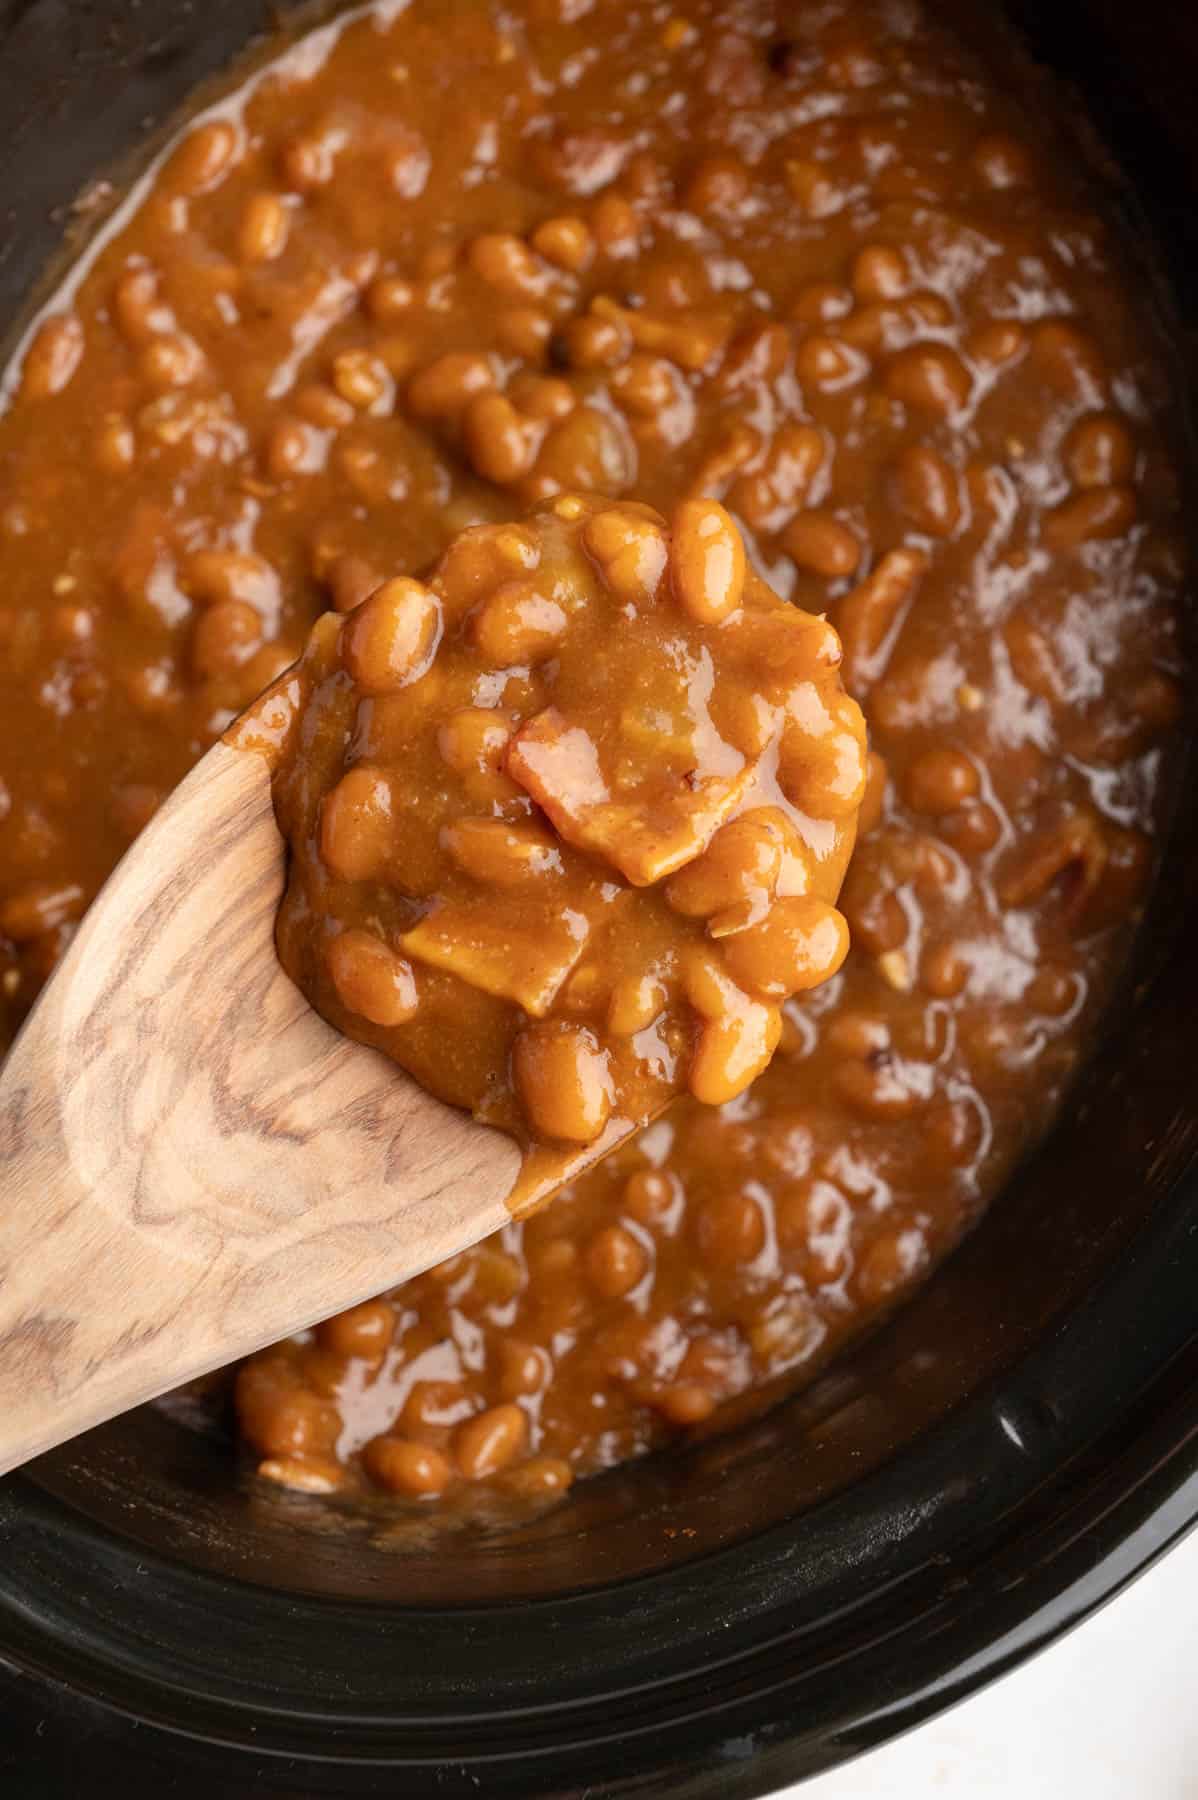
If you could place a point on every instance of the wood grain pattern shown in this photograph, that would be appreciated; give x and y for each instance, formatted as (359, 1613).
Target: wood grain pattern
(192, 1163)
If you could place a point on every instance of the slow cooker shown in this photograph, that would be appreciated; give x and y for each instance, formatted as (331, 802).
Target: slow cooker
(995, 1463)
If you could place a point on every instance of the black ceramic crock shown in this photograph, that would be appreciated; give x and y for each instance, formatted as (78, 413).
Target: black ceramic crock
(1015, 1446)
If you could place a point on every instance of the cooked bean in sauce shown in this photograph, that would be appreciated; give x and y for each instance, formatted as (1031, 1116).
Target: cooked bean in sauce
(436, 267)
(568, 821)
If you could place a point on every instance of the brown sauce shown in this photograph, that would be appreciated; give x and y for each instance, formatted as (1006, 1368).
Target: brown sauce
(807, 262)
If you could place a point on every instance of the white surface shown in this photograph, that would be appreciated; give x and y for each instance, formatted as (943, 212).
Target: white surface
(1110, 1712)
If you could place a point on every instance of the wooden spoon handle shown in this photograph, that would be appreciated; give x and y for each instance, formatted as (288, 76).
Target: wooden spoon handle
(165, 1122)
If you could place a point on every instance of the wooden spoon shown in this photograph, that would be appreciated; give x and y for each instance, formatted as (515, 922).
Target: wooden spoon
(192, 1163)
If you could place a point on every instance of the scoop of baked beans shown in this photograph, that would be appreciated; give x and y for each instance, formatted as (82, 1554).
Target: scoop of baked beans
(568, 820)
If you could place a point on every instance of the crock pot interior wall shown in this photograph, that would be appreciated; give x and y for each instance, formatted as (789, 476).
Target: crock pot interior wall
(80, 83)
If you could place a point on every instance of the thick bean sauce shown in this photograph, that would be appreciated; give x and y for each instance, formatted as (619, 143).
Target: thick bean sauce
(568, 821)
(439, 265)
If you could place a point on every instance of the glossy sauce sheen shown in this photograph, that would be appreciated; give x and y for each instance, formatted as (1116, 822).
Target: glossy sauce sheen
(568, 821)
(806, 262)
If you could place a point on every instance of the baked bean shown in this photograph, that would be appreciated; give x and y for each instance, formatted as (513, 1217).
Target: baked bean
(875, 1089)
(350, 580)
(264, 227)
(858, 1034)
(495, 1278)
(630, 549)
(152, 689)
(867, 618)
(407, 1467)
(928, 490)
(33, 911)
(1068, 360)
(362, 381)
(707, 561)
(587, 452)
(828, 364)
(391, 638)
(1075, 848)
(879, 273)
(389, 298)
(952, 1130)
(542, 397)
(732, 1051)
(760, 354)
(371, 980)
(54, 354)
(442, 389)
(767, 499)
(685, 1403)
(694, 340)
(890, 1262)
(615, 225)
(356, 825)
(490, 1441)
(615, 1262)
(929, 378)
(564, 1081)
(785, 1330)
(524, 331)
(363, 1331)
(1032, 658)
(997, 343)
(823, 772)
(944, 970)
(876, 920)
(822, 544)
(307, 163)
(1094, 513)
(474, 740)
(506, 262)
(172, 361)
(202, 159)
(1099, 452)
(505, 855)
(822, 303)
(320, 406)
(137, 308)
(309, 1475)
(940, 781)
(718, 187)
(517, 624)
(973, 829)
(285, 1420)
(738, 871)
(437, 1406)
(116, 447)
(498, 440)
(264, 667)
(225, 636)
(524, 1368)
(295, 448)
(1052, 991)
(651, 1196)
(814, 187)
(731, 1229)
(646, 385)
(800, 943)
(566, 242)
(595, 343)
(540, 1478)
